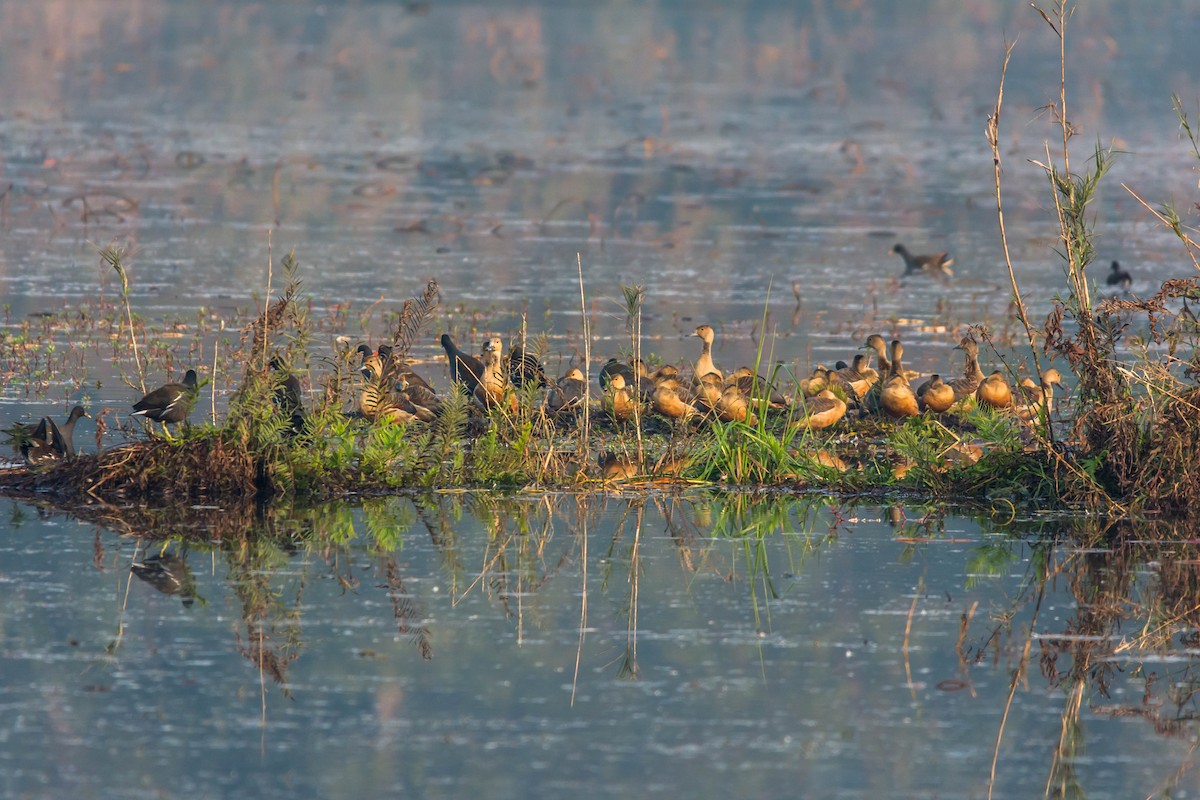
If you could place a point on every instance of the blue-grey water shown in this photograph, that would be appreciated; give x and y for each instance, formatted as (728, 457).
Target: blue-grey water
(751, 165)
(600, 646)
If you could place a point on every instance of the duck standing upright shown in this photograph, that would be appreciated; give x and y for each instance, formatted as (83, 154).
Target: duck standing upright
(1031, 399)
(704, 364)
(965, 385)
(493, 389)
(897, 398)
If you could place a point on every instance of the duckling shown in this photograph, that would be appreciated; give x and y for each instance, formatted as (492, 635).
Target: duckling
(617, 400)
(1119, 277)
(493, 388)
(756, 387)
(935, 395)
(704, 364)
(821, 411)
(673, 401)
(171, 402)
(566, 396)
(524, 369)
(465, 369)
(938, 264)
(615, 467)
(1030, 398)
(733, 406)
(965, 386)
(896, 397)
(994, 392)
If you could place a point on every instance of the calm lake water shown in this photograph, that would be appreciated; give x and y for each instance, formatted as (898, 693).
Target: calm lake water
(602, 646)
(739, 161)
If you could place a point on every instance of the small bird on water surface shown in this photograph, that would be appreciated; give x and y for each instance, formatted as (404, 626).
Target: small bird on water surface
(171, 402)
(937, 264)
(1119, 277)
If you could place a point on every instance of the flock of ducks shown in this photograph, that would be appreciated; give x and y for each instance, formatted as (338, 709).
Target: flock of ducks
(874, 383)
(700, 391)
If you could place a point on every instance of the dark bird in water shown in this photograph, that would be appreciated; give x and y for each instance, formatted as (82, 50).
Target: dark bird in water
(48, 442)
(524, 369)
(1119, 277)
(465, 369)
(170, 402)
(169, 574)
(938, 264)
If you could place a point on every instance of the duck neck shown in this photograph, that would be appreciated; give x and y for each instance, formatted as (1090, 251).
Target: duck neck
(971, 370)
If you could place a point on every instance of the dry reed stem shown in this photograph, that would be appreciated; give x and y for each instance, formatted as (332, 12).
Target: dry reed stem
(1192, 246)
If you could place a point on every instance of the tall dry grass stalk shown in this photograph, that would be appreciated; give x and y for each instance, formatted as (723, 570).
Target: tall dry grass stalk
(114, 256)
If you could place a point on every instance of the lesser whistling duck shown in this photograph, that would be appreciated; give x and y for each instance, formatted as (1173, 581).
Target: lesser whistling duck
(964, 387)
(815, 383)
(614, 467)
(704, 364)
(169, 403)
(937, 264)
(821, 411)
(707, 391)
(634, 380)
(756, 387)
(1119, 277)
(617, 399)
(896, 397)
(465, 369)
(426, 405)
(493, 389)
(879, 346)
(1030, 399)
(994, 392)
(733, 406)
(857, 379)
(566, 395)
(935, 395)
(673, 400)
(664, 372)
